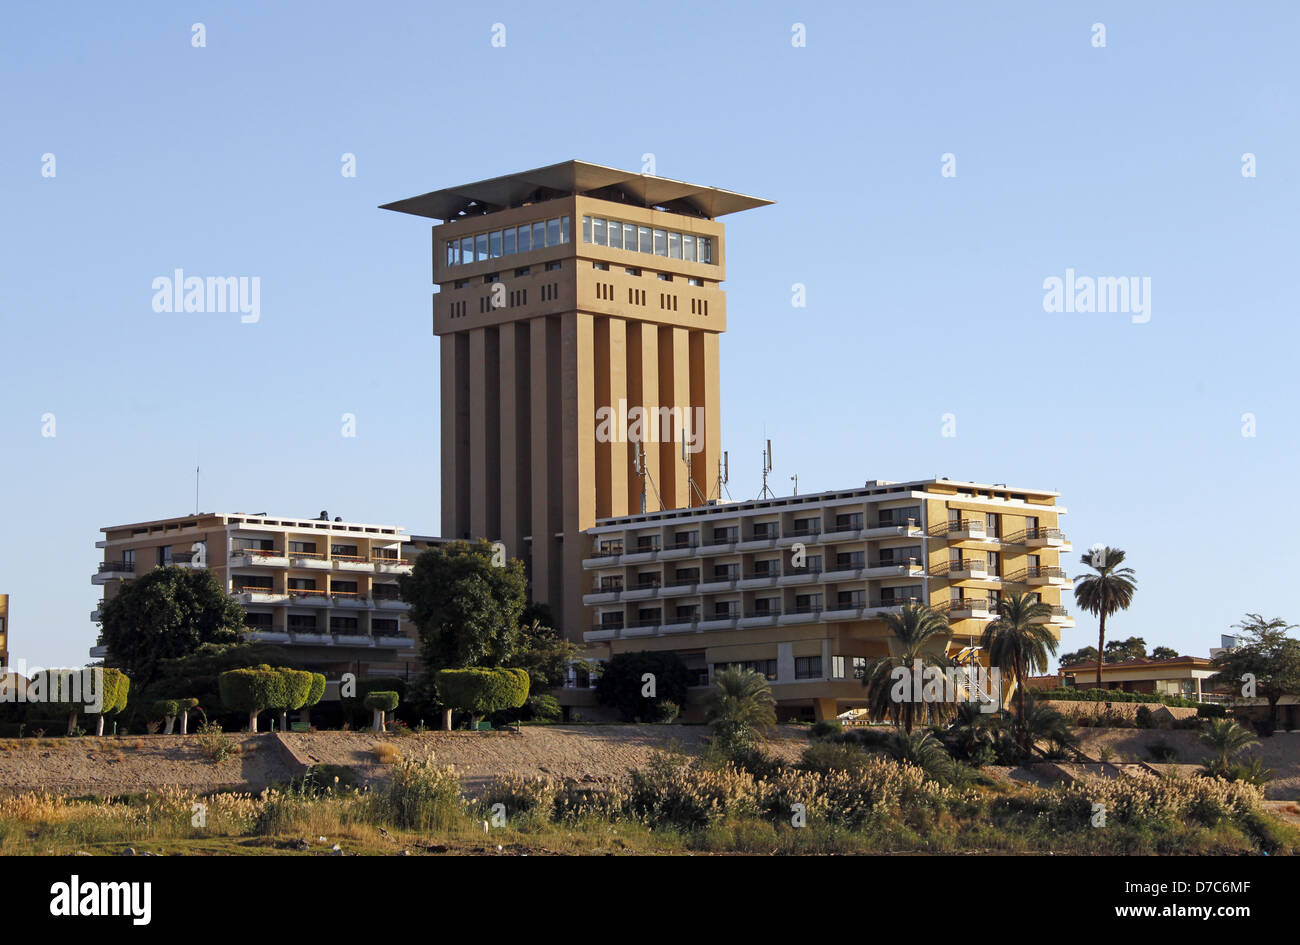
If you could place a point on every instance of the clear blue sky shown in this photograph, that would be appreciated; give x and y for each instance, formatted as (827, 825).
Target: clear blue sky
(924, 293)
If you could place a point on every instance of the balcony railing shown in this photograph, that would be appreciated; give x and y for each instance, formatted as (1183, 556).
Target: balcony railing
(608, 551)
(254, 589)
(837, 527)
(115, 566)
(260, 552)
(964, 564)
(895, 523)
(601, 587)
(959, 525)
(606, 626)
(1032, 573)
(1036, 534)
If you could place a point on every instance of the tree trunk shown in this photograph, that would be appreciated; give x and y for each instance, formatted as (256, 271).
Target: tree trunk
(252, 721)
(284, 721)
(72, 722)
(185, 722)
(1020, 707)
(383, 721)
(99, 726)
(446, 720)
(1101, 644)
(168, 722)
(374, 720)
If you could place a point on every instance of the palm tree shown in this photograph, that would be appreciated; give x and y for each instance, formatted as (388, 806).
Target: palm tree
(920, 634)
(1106, 592)
(1225, 737)
(923, 750)
(741, 704)
(1016, 644)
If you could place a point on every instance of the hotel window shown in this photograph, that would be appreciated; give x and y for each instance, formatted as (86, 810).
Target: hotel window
(586, 229)
(615, 233)
(522, 271)
(303, 547)
(629, 237)
(494, 244)
(510, 241)
(851, 598)
(481, 247)
(259, 621)
(553, 265)
(633, 272)
(726, 572)
(539, 235)
(991, 524)
(688, 612)
(523, 240)
(807, 667)
(343, 587)
(384, 627)
(553, 232)
(994, 564)
(688, 247)
(345, 551)
(661, 242)
(687, 575)
(603, 267)
(304, 623)
(686, 539)
(467, 250)
(695, 282)
(837, 667)
(460, 283)
(453, 252)
(643, 237)
(674, 245)
(765, 530)
(851, 559)
(300, 584)
(343, 624)
(723, 609)
(807, 603)
(598, 231)
(665, 276)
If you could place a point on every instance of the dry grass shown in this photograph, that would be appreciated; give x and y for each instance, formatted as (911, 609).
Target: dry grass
(386, 753)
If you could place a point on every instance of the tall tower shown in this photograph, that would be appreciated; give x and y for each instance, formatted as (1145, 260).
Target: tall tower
(567, 297)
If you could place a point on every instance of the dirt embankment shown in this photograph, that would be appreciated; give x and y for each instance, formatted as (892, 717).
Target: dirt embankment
(100, 766)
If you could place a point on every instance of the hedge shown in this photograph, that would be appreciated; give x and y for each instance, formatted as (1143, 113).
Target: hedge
(1113, 695)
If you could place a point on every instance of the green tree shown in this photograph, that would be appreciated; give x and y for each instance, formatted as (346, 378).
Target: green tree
(117, 687)
(739, 706)
(295, 692)
(1087, 654)
(1164, 653)
(481, 690)
(545, 655)
(1119, 651)
(380, 703)
(632, 683)
(466, 608)
(1018, 644)
(168, 612)
(1105, 592)
(1270, 657)
(920, 634)
(253, 690)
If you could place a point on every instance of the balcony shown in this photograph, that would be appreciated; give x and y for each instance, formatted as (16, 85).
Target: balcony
(1041, 577)
(112, 571)
(384, 565)
(309, 597)
(717, 583)
(353, 599)
(756, 580)
(680, 549)
(892, 604)
(352, 563)
(640, 591)
(963, 569)
(642, 552)
(898, 567)
(960, 530)
(968, 607)
(888, 528)
(390, 603)
(603, 631)
(309, 559)
(1059, 617)
(266, 634)
(256, 594)
(761, 618)
(98, 613)
(258, 557)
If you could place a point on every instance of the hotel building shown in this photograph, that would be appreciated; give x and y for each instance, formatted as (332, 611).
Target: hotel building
(4, 630)
(797, 588)
(325, 590)
(562, 290)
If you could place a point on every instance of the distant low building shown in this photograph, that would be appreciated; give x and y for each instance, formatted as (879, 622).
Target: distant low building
(1185, 676)
(325, 590)
(4, 630)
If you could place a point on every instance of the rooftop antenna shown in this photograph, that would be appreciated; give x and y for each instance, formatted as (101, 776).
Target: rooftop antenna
(638, 465)
(196, 485)
(724, 474)
(795, 477)
(690, 477)
(767, 468)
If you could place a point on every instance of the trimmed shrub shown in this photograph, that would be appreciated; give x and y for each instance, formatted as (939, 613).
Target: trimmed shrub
(380, 703)
(479, 691)
(621, 683)
(354, 705)
(253, 690)
(826, 728)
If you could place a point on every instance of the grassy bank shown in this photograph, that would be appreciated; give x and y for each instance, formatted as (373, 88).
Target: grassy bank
(675, 805)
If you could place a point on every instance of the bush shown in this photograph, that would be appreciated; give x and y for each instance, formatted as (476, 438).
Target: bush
(826, 728)
(1143, 717)
(422, 796)
(253, 690)
(381, 701)
(215, 744)
(1211, 710)
(523, 798)
(1163, 752)
(621, 683)
(354, 705)
(664, 711)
